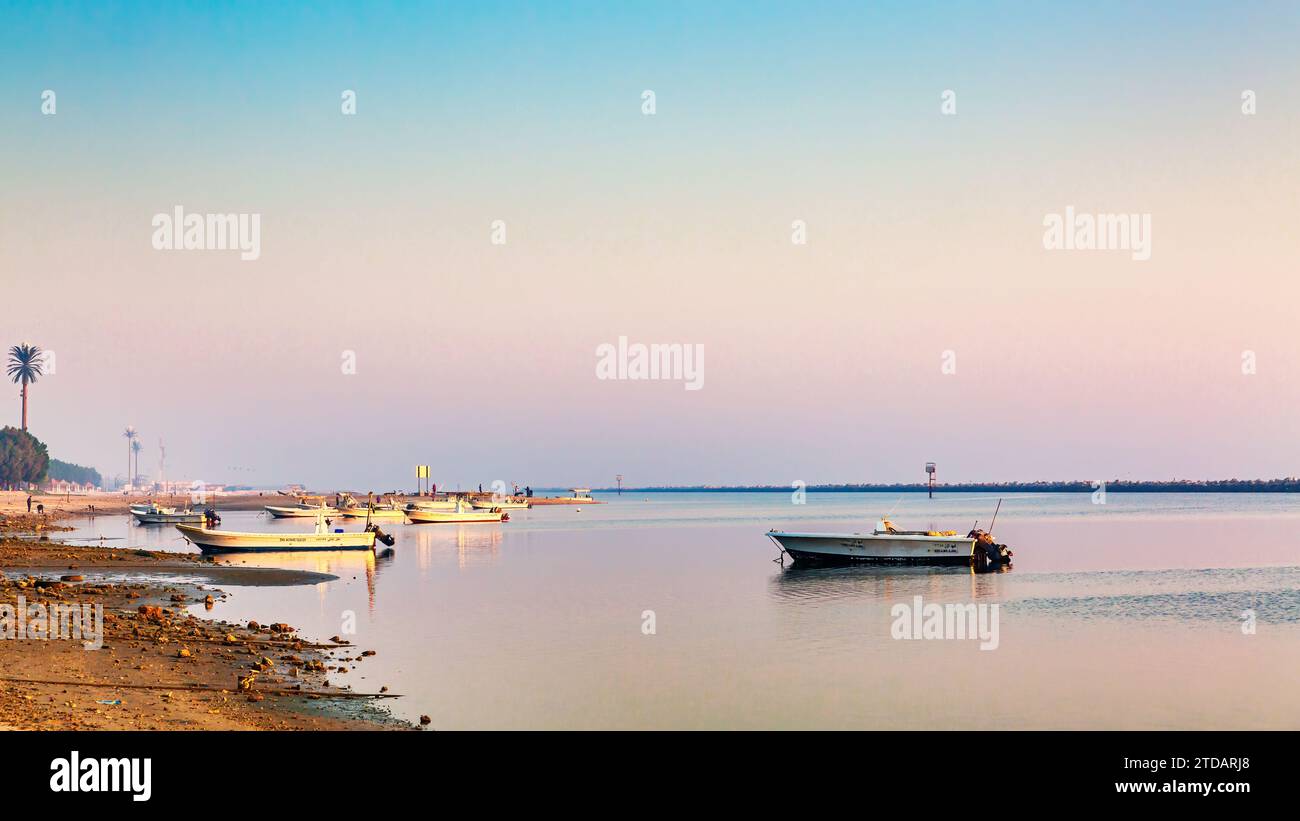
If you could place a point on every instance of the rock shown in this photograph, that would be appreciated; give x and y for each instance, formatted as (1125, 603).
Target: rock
(208, 602)
(252, 625)
(183, 653)
(425, 720)
(281, 627)
(246, 682)
(72, 578)
(368, 653)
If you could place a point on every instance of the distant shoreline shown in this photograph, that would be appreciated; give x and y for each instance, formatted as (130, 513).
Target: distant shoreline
(1290, 485)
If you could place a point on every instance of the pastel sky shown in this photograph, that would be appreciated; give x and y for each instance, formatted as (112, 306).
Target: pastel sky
(822, 360)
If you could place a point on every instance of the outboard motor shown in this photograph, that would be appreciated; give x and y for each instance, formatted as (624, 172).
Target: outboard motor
(210, 517)
(989, 555)
(381, 535)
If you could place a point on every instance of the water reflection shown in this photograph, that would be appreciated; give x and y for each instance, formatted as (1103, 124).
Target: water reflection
(473, 543)
(800, 583)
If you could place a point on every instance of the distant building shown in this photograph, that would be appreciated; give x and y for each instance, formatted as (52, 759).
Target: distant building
(64, 486)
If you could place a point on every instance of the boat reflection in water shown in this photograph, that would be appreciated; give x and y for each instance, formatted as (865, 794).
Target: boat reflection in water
(473, 544)
(342, 563)
(883, 583)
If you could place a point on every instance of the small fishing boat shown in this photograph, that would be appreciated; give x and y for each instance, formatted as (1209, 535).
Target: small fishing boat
(225, 541)
(461, 513)
(504, 503)
(352, 509)
(302, 510)
(432, 504)
(155, 515)
(887, 544)
(375, 512)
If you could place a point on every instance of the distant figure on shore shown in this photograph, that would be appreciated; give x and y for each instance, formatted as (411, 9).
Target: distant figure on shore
(528, 491)
(480, 487)
(29, 503)
(40, 509)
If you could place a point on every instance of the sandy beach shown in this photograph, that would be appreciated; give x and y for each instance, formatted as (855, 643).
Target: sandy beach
(161, 666)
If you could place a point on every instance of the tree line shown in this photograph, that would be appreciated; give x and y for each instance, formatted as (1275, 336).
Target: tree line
(23, 459)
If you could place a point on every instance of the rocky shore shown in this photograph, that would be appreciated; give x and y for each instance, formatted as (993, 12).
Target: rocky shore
(163, 663)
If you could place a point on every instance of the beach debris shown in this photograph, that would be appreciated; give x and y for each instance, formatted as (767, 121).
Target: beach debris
(281, 627)
(367, 652)
(208, 602)
(231, 638)
(111, 702)
(151, 612)
(72, 578)
(183, 653)
(246, 682)
(263, 664)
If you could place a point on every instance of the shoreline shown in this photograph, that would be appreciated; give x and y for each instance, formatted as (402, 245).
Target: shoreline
(161, 666)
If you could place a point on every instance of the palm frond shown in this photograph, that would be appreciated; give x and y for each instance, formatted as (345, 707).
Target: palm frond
(26, 363)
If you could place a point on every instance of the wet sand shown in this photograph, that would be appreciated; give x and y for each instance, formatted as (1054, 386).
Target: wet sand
(161, 666)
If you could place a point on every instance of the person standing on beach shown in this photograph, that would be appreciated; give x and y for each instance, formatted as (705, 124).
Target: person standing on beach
(29, 503)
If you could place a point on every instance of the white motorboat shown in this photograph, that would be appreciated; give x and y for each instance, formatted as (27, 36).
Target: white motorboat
(887, 544)
(376, 512)
(350, 508)
(462, 512)
(504, 503)
(302, 510)
(155, 515)
(431, 504)
(226, 541)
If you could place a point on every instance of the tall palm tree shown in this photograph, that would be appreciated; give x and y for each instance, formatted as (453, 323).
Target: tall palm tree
(136, 447)
(130, 436)
(26, 364)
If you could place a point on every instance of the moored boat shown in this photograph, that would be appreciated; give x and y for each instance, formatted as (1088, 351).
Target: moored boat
(887, 544)
(505, 503)
(350, 508)
(302, 510)
(432, 504)
(227, 541)
(155, 515)
(462, 512)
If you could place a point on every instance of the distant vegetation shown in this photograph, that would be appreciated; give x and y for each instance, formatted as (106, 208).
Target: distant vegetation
(68, 472)
(1288, 485)
(23, 459)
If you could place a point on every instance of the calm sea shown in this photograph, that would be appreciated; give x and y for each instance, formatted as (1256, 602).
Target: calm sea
(666, 610)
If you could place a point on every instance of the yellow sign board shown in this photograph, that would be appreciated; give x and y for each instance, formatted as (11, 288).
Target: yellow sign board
(422, 471)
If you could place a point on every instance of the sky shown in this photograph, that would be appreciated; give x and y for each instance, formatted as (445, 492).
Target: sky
(921, 318)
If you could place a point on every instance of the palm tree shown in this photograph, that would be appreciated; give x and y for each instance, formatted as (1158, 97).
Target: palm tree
(26, 364)
(136, 447)
(130, 436)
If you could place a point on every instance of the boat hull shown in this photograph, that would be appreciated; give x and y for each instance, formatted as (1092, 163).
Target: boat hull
(166, 518)
(425, 517)
(504, 505)
(223, 541)
(382, 513)
(299, 512)
(854, 548)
